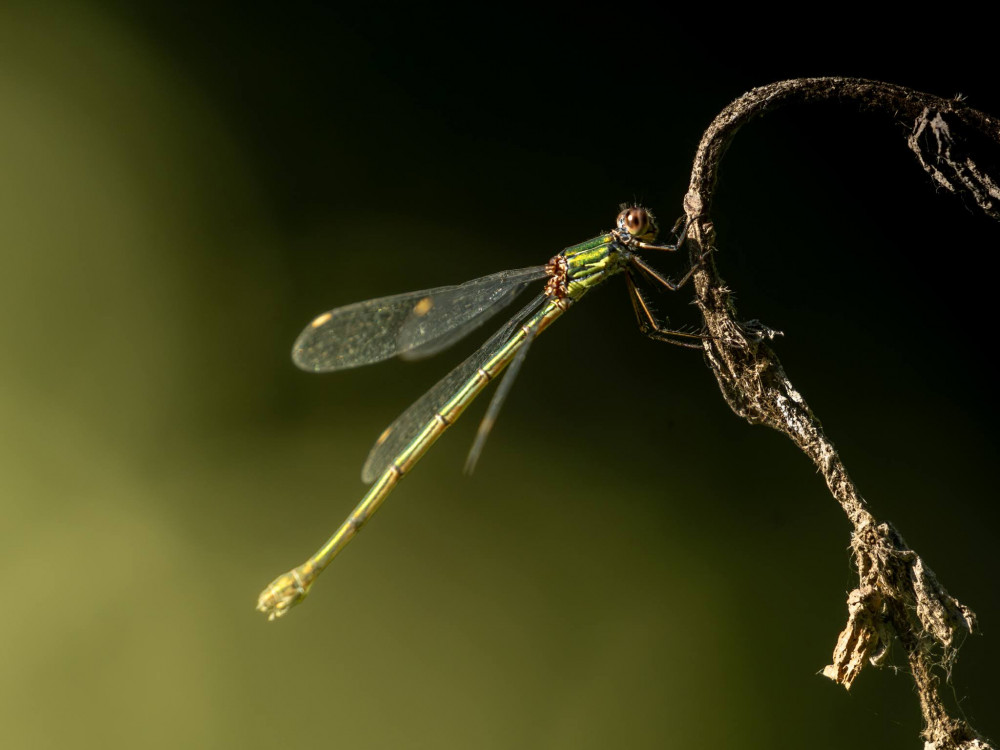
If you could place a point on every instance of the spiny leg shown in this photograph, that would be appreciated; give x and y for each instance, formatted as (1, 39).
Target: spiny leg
(648, 324)
(672, 248)
(653, 275)
(682, 235)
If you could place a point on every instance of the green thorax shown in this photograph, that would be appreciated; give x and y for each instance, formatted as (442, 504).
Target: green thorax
(590, 263)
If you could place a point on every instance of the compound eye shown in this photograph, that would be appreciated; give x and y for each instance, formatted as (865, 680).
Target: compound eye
(636, 221)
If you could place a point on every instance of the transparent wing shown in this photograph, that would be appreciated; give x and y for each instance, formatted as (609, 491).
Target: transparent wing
(434, 323)
(408, 424)
(499, 396)
(416, 324)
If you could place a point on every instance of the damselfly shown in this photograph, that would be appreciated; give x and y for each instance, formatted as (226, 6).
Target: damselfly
(419, 324)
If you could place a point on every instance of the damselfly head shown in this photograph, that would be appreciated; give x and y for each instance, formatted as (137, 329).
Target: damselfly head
(638, 222)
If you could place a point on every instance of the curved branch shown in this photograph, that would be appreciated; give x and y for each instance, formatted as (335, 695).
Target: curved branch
(897, 595)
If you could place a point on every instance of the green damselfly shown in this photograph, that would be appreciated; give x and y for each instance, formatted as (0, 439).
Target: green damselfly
(419, 324)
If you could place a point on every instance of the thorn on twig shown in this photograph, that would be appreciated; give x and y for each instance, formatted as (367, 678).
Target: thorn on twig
(757, 331)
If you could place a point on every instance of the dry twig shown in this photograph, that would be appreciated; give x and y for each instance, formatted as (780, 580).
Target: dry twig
(897, 595)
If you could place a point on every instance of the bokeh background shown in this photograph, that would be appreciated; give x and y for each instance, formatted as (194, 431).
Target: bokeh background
(181, 190)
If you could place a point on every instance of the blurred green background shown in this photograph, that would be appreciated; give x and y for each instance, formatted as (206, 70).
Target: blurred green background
(182, 190)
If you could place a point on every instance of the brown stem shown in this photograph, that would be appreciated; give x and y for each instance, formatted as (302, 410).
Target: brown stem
(897, 594)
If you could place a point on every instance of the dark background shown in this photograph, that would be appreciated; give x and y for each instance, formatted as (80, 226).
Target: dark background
(631, 565)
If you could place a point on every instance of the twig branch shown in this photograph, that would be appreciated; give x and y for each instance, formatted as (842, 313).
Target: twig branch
(897, 594)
